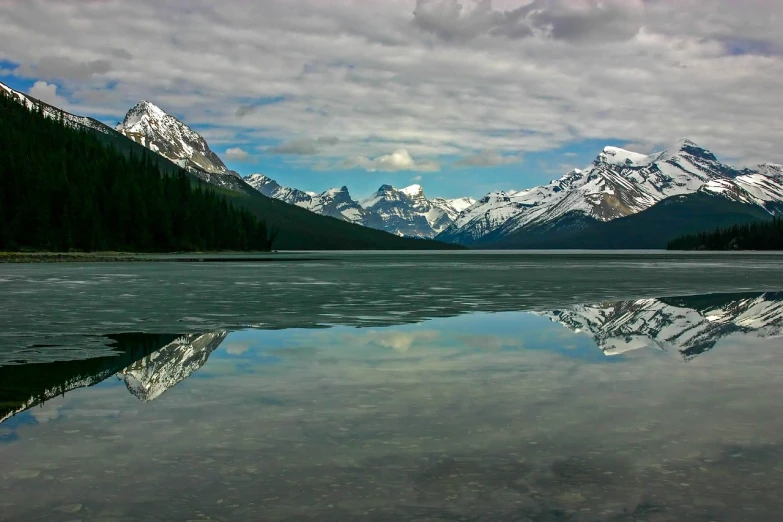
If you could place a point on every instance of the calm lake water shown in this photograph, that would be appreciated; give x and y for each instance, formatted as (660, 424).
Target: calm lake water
(459, 386)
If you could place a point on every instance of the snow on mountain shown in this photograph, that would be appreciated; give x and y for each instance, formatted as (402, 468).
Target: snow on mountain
(405, 212)
(687, 325)
(271, 188)
(618, 183)
(335, 202)
(408, 212)
(53, 112)
(148, 378)
(150, 126)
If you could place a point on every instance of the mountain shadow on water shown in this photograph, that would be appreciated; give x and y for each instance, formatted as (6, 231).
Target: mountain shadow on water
(149, 364)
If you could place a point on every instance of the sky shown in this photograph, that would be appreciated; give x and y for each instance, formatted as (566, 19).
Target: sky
(461, 96)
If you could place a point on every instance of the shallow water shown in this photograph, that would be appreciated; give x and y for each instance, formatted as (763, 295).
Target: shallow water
(395, 387)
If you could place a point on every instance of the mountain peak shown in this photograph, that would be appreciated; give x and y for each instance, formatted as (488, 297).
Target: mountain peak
(138, 111)
(150, 126)
(413, 190)
(335, 191)
(689, 147)
(622, 157)
(258, 178)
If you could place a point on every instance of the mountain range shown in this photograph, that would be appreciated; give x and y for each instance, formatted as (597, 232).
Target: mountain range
(623, 199)
(403, 212)
(619, 184)
(175, 146)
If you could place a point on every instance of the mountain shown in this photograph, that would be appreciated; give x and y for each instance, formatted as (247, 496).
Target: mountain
(297, 228)
(651, 228)
(150, 126)
(62, 189)
(149, 377)
(688, 325)
(408, 212)
(619, 183)
(335, 202)
(403, 212)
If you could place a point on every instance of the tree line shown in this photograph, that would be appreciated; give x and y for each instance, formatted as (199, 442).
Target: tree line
(61, 189)
(759, 235)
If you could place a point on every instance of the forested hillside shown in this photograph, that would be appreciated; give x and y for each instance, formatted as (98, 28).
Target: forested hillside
(62, 189)
(760, 235)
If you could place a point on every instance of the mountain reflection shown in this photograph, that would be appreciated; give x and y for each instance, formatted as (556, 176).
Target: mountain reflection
(690, 325)
(149, 364)
(149, 377)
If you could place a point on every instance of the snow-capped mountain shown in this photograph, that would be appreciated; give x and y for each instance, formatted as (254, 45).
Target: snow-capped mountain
(618, 183)
(335, 202)
(405, 212)
(688, 325)
(150, 126)
(148, 378)
(408, 212)
(53, 112)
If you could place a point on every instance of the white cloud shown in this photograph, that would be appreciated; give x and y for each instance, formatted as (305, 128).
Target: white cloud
(47, 92)
(394, 162)
(236, 154)
(428, 77)
(235, 347)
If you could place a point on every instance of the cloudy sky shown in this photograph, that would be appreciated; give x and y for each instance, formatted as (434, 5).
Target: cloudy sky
(461, 96)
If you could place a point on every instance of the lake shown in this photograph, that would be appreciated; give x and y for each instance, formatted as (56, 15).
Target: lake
(580, 386)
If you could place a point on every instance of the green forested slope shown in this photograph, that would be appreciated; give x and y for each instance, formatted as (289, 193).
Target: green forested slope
(759, 235)
(62, 189)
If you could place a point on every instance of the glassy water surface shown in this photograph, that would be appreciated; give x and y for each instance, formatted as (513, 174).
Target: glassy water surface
(391, 387)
